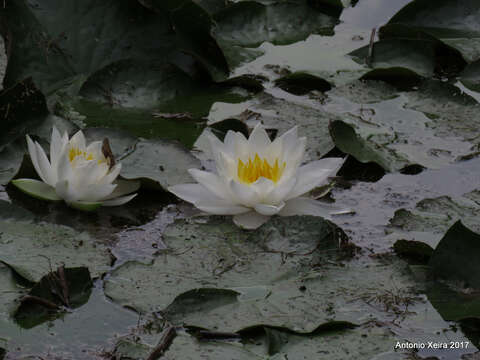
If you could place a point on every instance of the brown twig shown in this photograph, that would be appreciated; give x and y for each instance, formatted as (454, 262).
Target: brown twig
(216, 335)
(370, 47)
(163, 344)
(63, 283)
(40, 301)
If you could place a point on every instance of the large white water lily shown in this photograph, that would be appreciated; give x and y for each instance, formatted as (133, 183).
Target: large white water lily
(257, 178)
(80, 175)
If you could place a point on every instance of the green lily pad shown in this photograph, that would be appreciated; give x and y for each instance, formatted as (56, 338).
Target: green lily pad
(211, 276)
(73, 293)
(431, 218)
(455, 256)
(416, 56)
(301, 83)
(430, 127)
(453, 22)
(11, 157)
(21, 105)
(165, 163)
(33, 249)
(246, 24)
(470, 76)
(59, 52)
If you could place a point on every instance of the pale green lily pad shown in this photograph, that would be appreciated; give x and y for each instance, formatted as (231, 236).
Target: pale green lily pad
(165, 163)
(37, 189)
(245, 25)
(205, 276)
(56, 53)
(85, 206)
(431, 127)
(11, 157)
(186, 347)
(390, 55)
(453, 22)
(431, 218)
(33, 249)
(455, 257)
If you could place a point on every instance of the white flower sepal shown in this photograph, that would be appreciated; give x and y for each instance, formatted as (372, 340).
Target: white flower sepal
(80, 175)
(257, 178)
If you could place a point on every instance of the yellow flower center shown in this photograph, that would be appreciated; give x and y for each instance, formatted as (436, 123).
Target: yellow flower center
(74, 152)
(251, 171)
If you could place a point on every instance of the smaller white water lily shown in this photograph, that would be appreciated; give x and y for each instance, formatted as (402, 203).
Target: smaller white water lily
(81, 175)
(257, 178)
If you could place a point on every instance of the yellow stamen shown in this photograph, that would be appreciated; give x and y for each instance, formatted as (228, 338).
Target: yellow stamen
(252, 170)
(74, 152)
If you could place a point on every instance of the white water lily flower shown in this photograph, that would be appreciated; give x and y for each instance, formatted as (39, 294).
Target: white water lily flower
(80, 175)
(257, 178)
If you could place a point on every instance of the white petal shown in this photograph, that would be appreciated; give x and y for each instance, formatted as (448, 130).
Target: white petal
(94, 192)
(250, 220)
(111, 175)
(64, 170)
(95, 148)
(62, 189)
(56, 146)
(123, 187)
(32, 150)
(289, 140)
(294, 156)
(212, 182)
(314, 174)
(86, 173)
(269, 210)
(263, 187)
(45, 167)
(258, 140)
(244, 194)
(78, 141)
(307, 206)
(118, 201)
(221, 207)
(280, 191)
(230, 142)
(192, 192)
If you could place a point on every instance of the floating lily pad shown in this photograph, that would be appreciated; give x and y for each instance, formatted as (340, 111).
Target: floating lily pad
(246, 24)
(218, 277)
(392, 55)
(165, 163)
(301, 83)
(56, 53)
(33, 249)
(453, 22)
(455, 256)
(430, 127)
(70, 287)
(431, 218)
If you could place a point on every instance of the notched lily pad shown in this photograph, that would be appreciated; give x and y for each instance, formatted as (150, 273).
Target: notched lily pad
(246, 24)
(301, 83)
(215, 276)
(32, 249)
(163, 162)
(431, 218)
(455, 257)
(65, 287)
